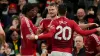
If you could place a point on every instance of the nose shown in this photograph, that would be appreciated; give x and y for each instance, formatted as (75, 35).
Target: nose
(77, 42)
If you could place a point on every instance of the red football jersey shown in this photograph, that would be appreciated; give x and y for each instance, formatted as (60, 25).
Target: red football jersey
(91, 43)
(44, 26)
(28, 47)
(61, 32)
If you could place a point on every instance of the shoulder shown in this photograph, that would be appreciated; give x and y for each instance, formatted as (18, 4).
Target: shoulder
(95, 37)
(44, 20)
(70, 21)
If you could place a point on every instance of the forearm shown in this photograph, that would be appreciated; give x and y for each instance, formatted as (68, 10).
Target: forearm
(45, 36)
(49, 34)
(83, 26)
(86, 32)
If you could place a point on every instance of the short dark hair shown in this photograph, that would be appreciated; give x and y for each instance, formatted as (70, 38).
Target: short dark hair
(27, 7)
(62, 8)
(53, 4)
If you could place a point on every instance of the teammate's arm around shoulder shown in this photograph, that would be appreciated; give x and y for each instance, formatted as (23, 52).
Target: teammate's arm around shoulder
(83, 32)
(49, 34)
(85, 26)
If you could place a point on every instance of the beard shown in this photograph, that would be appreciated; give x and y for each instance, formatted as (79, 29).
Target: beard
(53, 16)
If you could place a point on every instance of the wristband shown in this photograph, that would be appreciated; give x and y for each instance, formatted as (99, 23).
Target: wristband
(36, 37)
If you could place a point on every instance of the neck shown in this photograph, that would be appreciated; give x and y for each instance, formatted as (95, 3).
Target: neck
(54, 17)
(28, 17)
(62, 15)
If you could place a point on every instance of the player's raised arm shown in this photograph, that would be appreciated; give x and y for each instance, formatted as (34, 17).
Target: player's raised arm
(84, 32)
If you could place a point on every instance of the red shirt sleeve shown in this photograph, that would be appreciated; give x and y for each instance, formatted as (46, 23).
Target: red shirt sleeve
(96, 39)
(82, 32)
(34, 28)
(98, 44)
(50, 34)
(25, 28)
(41, 25)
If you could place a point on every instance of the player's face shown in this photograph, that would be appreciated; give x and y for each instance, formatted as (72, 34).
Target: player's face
(52, 11)
(79, 42)
(33, 12)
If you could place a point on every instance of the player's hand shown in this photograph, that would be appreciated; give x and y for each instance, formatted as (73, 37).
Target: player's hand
(98, 29)
(92, 24)
(30, 36)
(39, 31)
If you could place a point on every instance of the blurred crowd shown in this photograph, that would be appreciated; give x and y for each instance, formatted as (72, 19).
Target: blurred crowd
(86, 13)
